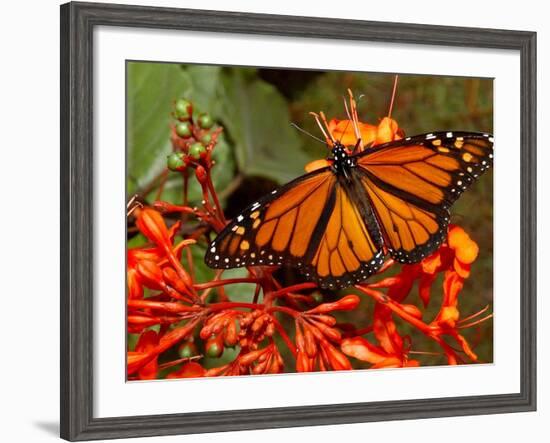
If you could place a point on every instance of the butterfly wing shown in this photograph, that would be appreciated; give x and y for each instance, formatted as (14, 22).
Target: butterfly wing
(412, 183)
(311, 223)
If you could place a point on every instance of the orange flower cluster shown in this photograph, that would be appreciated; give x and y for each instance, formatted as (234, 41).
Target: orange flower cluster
(181, 321)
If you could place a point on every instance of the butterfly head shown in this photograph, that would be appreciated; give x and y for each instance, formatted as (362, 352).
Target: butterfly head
(342, 161)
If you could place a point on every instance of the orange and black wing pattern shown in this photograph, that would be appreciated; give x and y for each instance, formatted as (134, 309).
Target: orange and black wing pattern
(312, 223)
(412, 183)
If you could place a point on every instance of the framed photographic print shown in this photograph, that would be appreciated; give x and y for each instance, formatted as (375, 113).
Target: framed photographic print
(292, 221)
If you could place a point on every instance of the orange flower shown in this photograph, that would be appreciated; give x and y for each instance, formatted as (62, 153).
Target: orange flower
(386, 131)
(361, 349)
(344, 131)
(316, 337)
(465, 249)
(151, 224)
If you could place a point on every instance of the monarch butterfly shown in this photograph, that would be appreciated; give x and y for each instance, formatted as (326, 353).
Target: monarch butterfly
(336, 224)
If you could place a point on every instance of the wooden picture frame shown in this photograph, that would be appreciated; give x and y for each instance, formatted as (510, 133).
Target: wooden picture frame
(78, 21)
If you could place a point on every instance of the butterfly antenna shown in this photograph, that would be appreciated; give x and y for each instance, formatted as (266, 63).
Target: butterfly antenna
(344, 132)
(393, 95)
(295, 126)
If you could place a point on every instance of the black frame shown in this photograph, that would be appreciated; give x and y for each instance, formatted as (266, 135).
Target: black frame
(77, 24)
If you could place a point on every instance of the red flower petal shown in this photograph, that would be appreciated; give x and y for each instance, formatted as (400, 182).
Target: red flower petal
(361, 349)
(188, 370)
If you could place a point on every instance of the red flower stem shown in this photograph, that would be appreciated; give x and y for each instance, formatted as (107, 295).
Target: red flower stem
(293, 288)
(387, 264)
(363, 331)
(190, 264)
(429, 331)
(284, 309)
(208, 290)
(214, 195)
(396, 307)
(385, 283)
(163, 306)
(178, 361)
(175, 294)
(185, 176)
(290, 345)
(182, 273)
(227, 281)
(452, 356)
(231, 305)
(164, 207)
(222, 295)
(256, 293)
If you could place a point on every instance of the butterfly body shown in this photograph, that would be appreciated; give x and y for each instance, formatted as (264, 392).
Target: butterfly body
(342, 163)
(337, 223)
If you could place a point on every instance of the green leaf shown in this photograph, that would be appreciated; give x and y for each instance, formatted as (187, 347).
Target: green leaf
(239, 292)
(257, 119)
(151, 89)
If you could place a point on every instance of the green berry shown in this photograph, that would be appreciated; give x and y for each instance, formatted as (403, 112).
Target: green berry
(183, 110)
(206, 139)
(196, 149)
(184, 129)
(175, 161)
(187, 350)
(205, 121)
(214, 347)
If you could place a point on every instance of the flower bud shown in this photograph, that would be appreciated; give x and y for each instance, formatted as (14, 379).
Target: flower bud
(361, 349)
(338, 361)
(187, 349)
(201, 174)
(303, 363)
(412, 310)
(346, 303)
(251, 357)
(151, 224)
(206, 139)
(135, 290)
(174, 280)
(184, 129)
(175, 161)
(205, 121)
(150, 274)
(214, 346)
(231, 336)
(183, 110)
(309, 342)
(196, 150)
